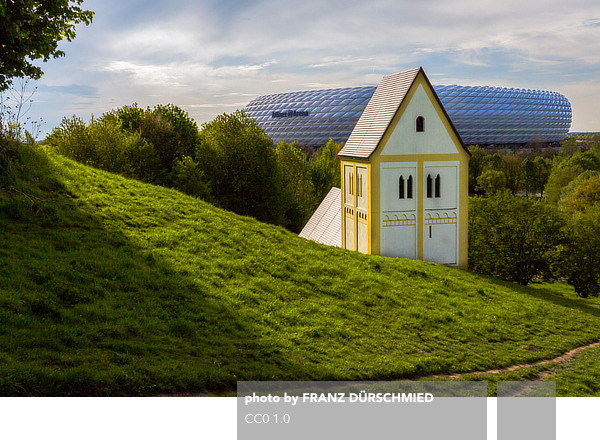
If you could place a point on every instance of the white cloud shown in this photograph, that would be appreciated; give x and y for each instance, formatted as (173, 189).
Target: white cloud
(208, 55)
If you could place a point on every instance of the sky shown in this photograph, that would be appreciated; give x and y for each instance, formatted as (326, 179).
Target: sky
(214, 56)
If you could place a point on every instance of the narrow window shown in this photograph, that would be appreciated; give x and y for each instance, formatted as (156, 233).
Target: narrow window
(420, 124)
(351, 184)
(360, 185)
(430, 231)
(401, 187)
(437, 186)
(409, 192)
(429, 185)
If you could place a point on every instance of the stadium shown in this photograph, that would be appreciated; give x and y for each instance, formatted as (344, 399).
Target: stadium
(490, 116)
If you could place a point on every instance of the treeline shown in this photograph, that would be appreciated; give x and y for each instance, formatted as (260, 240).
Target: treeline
(534, 171)
(534, 213)
(229, 161)
(522, 238)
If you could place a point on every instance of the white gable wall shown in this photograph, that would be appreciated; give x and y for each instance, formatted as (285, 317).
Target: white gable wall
(405, 140)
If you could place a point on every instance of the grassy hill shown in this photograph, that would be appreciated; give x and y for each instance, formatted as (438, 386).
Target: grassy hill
(122, 288)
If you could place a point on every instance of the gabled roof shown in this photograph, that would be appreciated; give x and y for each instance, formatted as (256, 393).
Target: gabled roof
(380, 112)
(325, 225)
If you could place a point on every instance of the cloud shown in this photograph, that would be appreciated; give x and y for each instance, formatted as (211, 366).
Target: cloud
(209, 56)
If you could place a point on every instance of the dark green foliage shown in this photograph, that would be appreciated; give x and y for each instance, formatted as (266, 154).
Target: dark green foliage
(240, 164)
(580, 257)
(535, 174)
(325, 169)
(31, 30)
(512, 237)
(189, 178)
(513, 172)
(169, 129)
(476, 166)
(298, 194)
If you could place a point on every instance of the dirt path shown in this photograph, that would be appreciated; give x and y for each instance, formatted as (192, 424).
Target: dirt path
(562, 359)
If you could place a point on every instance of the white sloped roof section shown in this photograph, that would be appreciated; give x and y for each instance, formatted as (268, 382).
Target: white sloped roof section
(378, 114)
(325, 225)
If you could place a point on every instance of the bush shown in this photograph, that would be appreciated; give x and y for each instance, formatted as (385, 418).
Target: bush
(189, 178)
(103, 144)
(170, 130)
(325, 171)
(298, 194)
(512, 238)
(490, 181)
(580, 256)
(565, 170)
(582, 194)
(239, 161)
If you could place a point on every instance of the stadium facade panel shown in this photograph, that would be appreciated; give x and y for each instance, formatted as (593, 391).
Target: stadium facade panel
(481, 114)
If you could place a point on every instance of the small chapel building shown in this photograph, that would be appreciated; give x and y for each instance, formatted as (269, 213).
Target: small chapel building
(404, 179)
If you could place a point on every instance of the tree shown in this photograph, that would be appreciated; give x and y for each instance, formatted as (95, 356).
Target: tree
(535, 174)
(580, 257)
(490, 181)
(31, 30)
(513, 238)
(582, 194)
(476, 164)
(325, 169)
(239, 161)
(298, 192)
(511, 167)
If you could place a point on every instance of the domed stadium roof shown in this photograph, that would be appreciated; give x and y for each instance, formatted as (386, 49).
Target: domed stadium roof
(481, 114)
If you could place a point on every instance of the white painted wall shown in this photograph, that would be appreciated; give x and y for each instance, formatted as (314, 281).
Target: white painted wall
(405, 140)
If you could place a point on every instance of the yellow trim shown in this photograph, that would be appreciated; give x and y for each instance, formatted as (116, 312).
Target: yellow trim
(376, 159)
(420, 203)
(354, 221)
(369, 212)
(354, 217)
(343, 208)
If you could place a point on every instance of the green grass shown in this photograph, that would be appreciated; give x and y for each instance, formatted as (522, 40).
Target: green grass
(131, 289)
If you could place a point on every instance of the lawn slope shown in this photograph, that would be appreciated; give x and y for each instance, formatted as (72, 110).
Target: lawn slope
(126, 288)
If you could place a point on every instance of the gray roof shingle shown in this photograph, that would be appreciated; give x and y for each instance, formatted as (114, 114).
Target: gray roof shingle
(378, 114)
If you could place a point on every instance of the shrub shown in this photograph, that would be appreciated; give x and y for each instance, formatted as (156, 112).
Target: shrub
(580, 257)
(582, 194)
(512, 237)
(239, 162)
(565, 170)
(189, 178)
(170, 130)
(103, 144)
(298, 194)
(476, 163)
(490, 181)
(325, 169)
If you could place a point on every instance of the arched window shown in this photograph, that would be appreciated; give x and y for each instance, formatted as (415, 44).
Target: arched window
(437, 186)
(420, 124)
(409, 192)
(429, 186)
(360, 186)
(401, 187)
